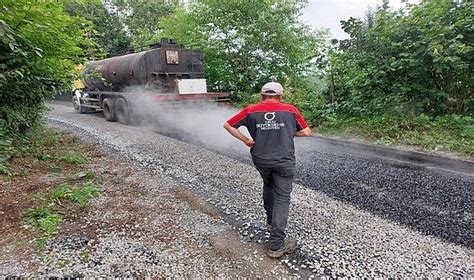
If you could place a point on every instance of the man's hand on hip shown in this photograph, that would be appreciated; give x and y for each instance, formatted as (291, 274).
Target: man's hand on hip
(237, 134)
(249, 143)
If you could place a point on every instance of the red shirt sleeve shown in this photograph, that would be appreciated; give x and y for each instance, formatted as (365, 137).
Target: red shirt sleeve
(239, 119)
(300, 122)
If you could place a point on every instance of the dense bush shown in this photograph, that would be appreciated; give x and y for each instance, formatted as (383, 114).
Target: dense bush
(406, 62)
(404, 76)
(37, 53)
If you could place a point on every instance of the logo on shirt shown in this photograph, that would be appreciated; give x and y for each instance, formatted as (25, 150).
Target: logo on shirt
(270, 122)
(269, 116)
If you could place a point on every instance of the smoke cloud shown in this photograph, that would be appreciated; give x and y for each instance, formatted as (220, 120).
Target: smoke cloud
(198, 122)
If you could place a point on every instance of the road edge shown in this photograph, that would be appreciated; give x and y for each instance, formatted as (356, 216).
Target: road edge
(455, 164)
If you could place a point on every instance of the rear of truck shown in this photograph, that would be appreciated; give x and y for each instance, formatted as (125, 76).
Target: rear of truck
(166, 74)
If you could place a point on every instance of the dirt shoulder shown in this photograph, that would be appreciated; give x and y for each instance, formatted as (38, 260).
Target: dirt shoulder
(144, 223)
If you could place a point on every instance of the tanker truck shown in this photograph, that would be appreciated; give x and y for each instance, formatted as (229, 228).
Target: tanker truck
(166, 73)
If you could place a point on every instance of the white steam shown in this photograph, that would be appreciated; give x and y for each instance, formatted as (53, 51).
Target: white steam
(198, 122)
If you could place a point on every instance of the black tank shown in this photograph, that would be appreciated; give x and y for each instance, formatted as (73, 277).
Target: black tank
(156, 69)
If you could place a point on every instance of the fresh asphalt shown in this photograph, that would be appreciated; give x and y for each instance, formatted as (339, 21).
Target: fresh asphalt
(428, 193)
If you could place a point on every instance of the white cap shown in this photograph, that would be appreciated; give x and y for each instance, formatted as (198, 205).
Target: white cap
(272, 88)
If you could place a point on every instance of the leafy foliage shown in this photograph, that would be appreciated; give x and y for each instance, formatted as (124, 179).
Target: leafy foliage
(38, 49)
(59, 193)
(44, 219)
(80, 195)
(412, 61)
(143, 18)
(108, 33)
(6, 151)
(83, 194)
(247, 43)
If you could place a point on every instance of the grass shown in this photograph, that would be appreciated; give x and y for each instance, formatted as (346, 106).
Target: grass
(47, 217)
(60, 193)
(63, 263)
(44, 219)
(73, 158)
(83, 194)
(80, 195)
(39, 143)
(45, 157)
(6, 152)
(161, 248)
(453, 134)
(85, 255)
(57, 155)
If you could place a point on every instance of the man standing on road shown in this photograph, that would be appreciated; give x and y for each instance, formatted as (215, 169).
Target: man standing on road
(272, 125)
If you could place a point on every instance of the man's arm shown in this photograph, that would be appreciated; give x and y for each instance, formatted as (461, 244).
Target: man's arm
(237, 134)
(302, 128)
(305, 132)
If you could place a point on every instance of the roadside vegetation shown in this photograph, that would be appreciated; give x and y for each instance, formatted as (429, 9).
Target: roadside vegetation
(46, 217)
(451, 133)
(403, 77)
(46, 179)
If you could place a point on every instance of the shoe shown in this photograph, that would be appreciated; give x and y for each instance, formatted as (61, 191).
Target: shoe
(288, 247)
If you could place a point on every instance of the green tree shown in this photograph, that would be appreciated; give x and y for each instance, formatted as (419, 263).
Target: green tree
(412, 61)
(108, 34)
(38, 50)
(247, 43)
(143, 18)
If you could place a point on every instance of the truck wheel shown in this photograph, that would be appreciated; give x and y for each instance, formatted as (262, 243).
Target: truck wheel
(76, 103)
(108, 109)
(122, 112)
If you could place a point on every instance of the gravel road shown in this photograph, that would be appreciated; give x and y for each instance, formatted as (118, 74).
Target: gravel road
(353, 213)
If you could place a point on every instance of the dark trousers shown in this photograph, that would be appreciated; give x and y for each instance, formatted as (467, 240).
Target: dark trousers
(277, 187)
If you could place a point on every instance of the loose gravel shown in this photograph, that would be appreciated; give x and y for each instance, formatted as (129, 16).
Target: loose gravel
(145, 224)
(336, 238)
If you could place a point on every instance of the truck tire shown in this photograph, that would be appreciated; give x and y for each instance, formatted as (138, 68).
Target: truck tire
(122, 111)
(109, 109)
(76, 103)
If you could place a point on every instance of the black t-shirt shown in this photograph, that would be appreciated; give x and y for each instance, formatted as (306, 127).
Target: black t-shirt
(272, 126)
